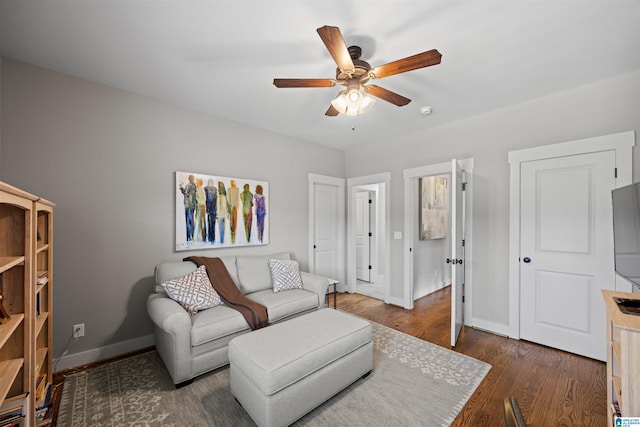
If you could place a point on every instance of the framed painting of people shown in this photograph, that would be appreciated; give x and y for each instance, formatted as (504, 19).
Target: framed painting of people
(219, 212)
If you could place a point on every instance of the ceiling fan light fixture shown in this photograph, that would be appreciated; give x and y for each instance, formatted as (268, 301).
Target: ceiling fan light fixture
(353, 101)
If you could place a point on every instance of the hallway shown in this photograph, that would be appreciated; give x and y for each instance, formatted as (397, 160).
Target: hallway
(372, 290)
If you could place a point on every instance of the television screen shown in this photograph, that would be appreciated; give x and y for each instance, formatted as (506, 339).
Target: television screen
(626, 232)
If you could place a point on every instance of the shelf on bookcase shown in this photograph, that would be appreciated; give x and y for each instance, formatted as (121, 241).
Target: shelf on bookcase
(8, 328)
(8, 262)
(40, 288)
(40, 321)
(9, 370)
(41, 356)
(42, 247)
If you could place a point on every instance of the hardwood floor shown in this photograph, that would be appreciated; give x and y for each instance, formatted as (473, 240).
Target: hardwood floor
(553, 388)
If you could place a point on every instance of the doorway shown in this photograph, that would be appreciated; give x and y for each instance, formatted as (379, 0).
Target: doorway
(368, 235)
(462, 306)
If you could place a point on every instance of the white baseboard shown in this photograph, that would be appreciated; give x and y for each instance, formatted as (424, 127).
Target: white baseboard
(103, 353)
(494, 328)
(396, 301)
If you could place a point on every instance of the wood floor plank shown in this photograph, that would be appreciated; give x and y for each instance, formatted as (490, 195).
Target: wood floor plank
(553, 387)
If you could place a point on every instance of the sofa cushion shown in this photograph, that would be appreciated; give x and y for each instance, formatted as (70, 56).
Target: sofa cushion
(230, 263)
(285, 275)
(285, 304)
(170, 270)
(193, 291)
(253, 272)
(216, 323)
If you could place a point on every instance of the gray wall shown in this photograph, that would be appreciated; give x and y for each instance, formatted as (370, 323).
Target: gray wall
(107, 159)
(602, 108)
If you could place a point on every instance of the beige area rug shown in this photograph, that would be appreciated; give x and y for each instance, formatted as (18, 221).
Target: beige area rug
(414, 383)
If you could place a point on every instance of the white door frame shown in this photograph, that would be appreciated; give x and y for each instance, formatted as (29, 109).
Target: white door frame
(383, 216)
(622, 143)
(339, 183)
(411, 177)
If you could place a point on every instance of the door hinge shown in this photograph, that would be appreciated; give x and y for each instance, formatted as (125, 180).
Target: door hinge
(370, 234)
(462, 298)
(463, 242)
(370, 201)
(615, 172)
(464, 186)
(369, 267)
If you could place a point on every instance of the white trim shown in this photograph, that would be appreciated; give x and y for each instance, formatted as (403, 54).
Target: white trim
(340, 184)
(384, 216)
(622, 143)
(494, 328)
(410, 220)
(103, 353)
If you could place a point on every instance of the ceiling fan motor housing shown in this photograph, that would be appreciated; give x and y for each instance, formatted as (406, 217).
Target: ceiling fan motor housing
(361, 70)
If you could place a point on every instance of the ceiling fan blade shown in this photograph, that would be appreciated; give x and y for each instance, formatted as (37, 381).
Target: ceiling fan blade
(332, 112)
(421, 60)
(332, 38)
(387, 95)
(304, 83)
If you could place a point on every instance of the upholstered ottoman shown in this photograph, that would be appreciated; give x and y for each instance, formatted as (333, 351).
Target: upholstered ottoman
(281, 372)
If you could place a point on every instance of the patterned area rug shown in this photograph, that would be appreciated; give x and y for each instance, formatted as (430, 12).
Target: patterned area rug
(413, 383)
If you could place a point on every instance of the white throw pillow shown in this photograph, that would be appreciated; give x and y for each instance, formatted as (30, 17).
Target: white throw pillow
(193, 291)
(285, 275)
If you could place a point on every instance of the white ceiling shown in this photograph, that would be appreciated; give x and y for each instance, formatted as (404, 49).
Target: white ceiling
(220, 57)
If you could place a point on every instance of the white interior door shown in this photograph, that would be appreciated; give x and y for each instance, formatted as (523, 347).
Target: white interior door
(363, 236)
(566, 251)
(457, 251)
(328, 214)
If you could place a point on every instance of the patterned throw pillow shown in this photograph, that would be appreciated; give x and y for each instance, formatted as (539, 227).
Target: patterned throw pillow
(285, 274)
(193, 291)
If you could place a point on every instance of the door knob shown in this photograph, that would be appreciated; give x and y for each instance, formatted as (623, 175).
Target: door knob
(527, 259)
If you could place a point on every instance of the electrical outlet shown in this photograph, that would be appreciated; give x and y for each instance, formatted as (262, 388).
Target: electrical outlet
(78, 330)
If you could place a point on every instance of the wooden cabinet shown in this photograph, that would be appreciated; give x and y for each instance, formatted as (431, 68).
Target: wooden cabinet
(623, 358)
(26, 233)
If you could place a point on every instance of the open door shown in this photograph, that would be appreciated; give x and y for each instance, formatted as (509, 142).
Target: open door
(457, 250)
(363, 236)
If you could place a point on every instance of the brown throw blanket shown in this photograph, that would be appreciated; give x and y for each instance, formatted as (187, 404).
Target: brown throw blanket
(255, 314)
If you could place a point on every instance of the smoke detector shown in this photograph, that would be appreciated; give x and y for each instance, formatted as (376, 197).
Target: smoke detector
(426, 110)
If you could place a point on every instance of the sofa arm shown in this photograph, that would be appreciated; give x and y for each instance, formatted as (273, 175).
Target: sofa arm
(168, 315)
(172, 335)
(317, 284)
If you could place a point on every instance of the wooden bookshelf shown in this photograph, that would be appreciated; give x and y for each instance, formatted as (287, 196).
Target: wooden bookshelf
(16, 252)
(26, 249)
(623, 358)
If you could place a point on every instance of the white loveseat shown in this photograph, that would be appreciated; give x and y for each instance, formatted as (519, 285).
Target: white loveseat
(192, 345)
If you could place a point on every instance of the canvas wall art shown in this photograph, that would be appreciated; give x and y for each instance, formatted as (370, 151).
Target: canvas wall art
(220, 212)
(434, 208)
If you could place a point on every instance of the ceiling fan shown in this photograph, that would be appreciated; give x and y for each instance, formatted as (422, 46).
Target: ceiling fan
(353, 73)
